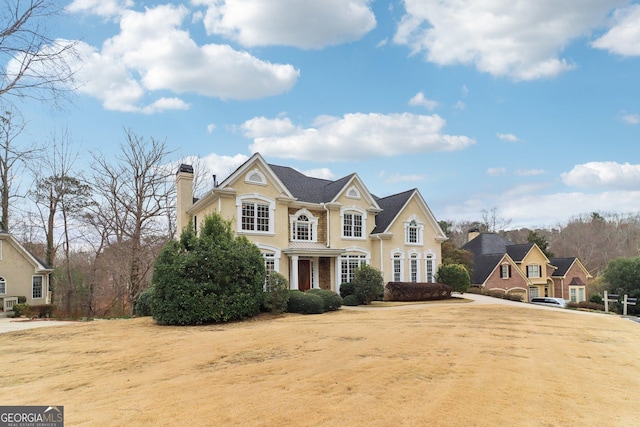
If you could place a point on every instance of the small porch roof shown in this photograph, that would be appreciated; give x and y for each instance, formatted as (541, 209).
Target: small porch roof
(311, 249)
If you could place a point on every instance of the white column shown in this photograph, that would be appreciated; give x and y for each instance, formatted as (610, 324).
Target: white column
(315, 273)
(294, 272)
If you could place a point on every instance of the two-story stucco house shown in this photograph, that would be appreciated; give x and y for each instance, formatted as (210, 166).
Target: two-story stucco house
(21, 274)
(317, 232)
(524, 269)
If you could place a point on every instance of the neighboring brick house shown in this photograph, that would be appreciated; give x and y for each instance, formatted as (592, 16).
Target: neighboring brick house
(21, 275)
(317, 232)
(524, 269)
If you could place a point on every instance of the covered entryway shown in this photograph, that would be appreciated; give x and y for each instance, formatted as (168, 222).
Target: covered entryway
(311, 265)
(304, 274)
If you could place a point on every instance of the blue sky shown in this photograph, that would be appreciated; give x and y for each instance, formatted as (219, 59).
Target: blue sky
(531, 108)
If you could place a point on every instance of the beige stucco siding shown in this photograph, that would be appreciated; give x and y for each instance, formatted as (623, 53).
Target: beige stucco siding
(18, 273)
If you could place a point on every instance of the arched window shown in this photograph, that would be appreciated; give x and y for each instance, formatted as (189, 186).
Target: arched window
(413, 231)
(429, 268)
(398, 266)
(255, 177)
(414, 266)
(304, 226)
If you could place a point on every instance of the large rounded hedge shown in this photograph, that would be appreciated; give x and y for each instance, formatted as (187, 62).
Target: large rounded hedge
(210, 277)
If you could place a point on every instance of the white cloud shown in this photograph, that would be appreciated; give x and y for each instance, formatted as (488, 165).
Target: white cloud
(323, 173)
(496, 171)
(459, 105)
(509, 137)
(530, 172)
(152, 53)
(307, 24)
(528, 207)
(632, 119)
(603, 174)
(398, 178)
(223, 166)
(210, 128)
(420, 100)
(521, 39)
(354, 136)
(624, 36)
(103, 8)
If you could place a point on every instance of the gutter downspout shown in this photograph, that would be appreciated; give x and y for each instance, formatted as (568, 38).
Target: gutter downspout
(328, 224)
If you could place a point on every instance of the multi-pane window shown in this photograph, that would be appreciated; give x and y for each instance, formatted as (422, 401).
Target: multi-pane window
(413, 262)
(302, 229)
(352, 224)
(412, 232)
(36, 287)
(534, 270)
(397, 268)
(348, 266)
(429, 269)
(576, 294)
(269, 264)
(255, 216)
(3, 286)
(505, 271)
(533, 292)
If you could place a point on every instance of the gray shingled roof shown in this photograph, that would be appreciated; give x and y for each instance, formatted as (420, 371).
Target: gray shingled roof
(309, 189)
(487, 243)
(518, 252)
(563, 265)
(483, 265)
(390, 206)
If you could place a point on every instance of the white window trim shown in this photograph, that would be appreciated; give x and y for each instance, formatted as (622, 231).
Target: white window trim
(353, 193)
(502, 266)
(254, 198)
(402, 261)
(350, 251)
(255, 172)
(420, 231)
(361, 212)
(430, 256)
(417, 259)
(313, 224)
(42, 289)
(275, 251)
(4, 282)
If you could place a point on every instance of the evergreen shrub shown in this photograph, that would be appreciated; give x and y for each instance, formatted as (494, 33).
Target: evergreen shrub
(332, 301)
(347, 288)
(144, 304)
(369, 284)
(276, 296)
(210, 277)
(350, 301)
(411, 291)
(304, 303)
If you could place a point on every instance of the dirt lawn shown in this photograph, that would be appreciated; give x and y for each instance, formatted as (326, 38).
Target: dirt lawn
(435, 365)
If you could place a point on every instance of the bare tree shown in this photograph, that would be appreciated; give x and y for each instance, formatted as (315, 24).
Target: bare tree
(13, 158)
(135, 194)
(38, 66)
(493, 222)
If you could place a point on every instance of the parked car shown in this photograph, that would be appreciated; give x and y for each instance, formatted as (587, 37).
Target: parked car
(548, 301)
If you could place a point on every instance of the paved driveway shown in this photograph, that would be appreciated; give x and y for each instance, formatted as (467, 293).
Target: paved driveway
(10, 325)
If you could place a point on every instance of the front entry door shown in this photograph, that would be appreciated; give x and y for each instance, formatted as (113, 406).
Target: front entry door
(304, 274)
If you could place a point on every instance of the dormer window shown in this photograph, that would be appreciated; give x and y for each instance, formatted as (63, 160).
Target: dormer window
(304, 226)
(255, 177)
(413, 232)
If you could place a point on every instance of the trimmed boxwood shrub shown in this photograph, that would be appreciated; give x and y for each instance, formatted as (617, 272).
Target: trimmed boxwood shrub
(454, 275)
(144, 304)
(350, 301)
(347, 288)
(22, 299)
(586, 305)
(410, 291)
(332, 301)
(22, 310)
(304, 303)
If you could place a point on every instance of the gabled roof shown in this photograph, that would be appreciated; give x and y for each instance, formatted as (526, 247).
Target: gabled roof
(487, 243)
(518, 252)
(563, 265)
(37, 263)
(316, 190)
(483, 265)
(391, 207)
